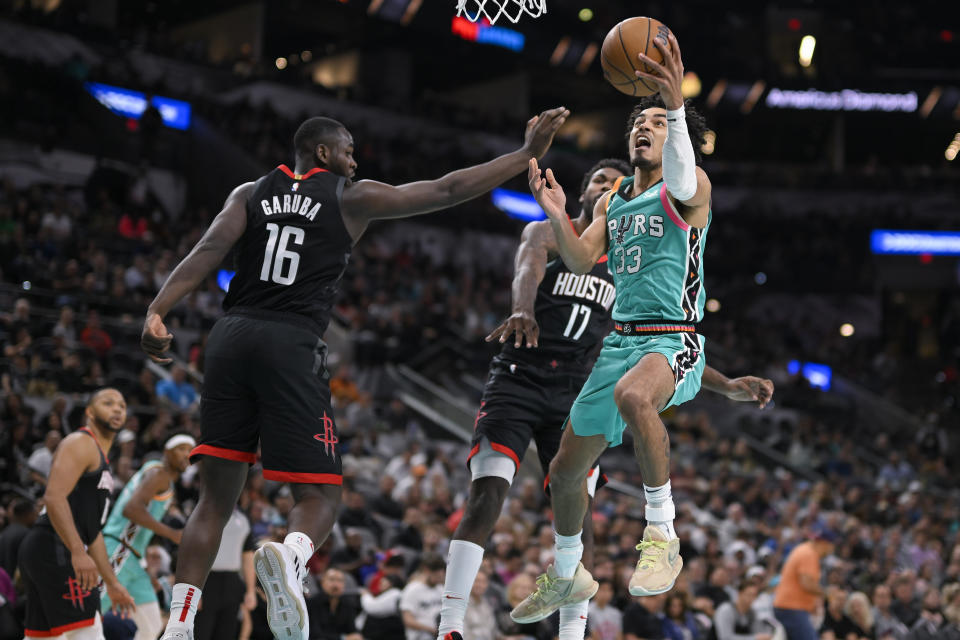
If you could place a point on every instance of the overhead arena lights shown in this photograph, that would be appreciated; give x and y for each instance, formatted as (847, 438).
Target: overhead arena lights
(807, 45)
(942, 243)
(818, 375)
(132, 104)
(846, 100)
(483, 33)
(516, 204)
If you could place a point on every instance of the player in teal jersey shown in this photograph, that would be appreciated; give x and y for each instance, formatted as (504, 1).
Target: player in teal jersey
(133, 521)
(652, 227)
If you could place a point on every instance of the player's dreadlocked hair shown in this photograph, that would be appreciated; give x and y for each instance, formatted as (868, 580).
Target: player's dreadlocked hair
(696, 123)
(607, 163)
(312, 132)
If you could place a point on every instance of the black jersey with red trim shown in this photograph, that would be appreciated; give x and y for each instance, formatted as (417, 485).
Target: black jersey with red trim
(89, 500)
(573, 312)
(294, 250)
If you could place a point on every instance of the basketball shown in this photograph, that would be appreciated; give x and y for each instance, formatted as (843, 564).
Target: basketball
(619, 54)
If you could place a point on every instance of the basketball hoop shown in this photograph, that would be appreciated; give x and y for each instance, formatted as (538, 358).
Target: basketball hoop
(512, 10)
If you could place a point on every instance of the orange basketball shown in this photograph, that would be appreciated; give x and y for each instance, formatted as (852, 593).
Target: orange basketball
(619, 54)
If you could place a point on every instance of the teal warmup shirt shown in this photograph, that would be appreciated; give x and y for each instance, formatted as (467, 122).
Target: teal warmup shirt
(656, 258)
(133, 535)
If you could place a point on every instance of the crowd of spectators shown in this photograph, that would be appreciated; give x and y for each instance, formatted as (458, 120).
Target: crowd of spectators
(78, 267)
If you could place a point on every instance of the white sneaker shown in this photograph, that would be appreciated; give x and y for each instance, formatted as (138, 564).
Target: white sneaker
(281, 576)
(177, 633)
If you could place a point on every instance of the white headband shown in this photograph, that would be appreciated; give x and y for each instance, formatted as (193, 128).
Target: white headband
(178, 440)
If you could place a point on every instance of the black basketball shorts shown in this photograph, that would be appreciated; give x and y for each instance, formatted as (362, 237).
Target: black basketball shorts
(265, 382)
(522, 402)
(55, 602)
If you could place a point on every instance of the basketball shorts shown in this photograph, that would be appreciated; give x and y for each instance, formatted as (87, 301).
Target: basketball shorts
(55, 602)
(523, 402)
(595, 413)
(265, 382)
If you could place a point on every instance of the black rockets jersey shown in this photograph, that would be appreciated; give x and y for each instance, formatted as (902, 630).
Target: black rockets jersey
(89, 500)
(573, 312)
(294, 250)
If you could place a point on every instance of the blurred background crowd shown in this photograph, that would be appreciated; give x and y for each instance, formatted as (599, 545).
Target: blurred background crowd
(96, 209)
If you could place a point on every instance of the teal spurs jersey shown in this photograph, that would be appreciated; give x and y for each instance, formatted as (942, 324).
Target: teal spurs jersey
(656, 258)
(132, 535)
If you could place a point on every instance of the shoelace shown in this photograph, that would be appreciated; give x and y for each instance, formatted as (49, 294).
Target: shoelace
(544, 583)
(650, 552)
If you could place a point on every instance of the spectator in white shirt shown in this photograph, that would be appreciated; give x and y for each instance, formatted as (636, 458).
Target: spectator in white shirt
(421, 599)
(605, 620)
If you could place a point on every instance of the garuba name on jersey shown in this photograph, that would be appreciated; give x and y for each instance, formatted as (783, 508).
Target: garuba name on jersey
(656, 258)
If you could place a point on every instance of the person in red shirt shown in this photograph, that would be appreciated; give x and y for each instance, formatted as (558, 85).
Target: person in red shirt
(95, 337)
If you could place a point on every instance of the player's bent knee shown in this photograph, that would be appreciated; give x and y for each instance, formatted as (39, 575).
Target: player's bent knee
(330, 493)
(631, 397)
(567, 474)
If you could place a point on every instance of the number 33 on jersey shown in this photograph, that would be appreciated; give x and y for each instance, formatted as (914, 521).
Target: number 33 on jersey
(291, 255)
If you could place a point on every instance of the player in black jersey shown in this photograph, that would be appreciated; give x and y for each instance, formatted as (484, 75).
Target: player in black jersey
(63, 557)
(562, 318)
(265, 375)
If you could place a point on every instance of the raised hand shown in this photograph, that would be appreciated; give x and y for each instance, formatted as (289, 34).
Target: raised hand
(521, 324)
(669, 75)
(547, 191)
(542, 128)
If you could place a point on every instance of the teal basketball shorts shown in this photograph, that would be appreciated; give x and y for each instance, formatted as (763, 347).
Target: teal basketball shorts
(594, 412)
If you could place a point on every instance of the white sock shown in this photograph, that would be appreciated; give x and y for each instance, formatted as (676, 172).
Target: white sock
(301, 545)
(567, 553)
(660, 498)
(573, 621)
(463, 563)
(183, 605)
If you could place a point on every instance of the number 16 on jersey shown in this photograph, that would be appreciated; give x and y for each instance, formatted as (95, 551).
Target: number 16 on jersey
(279, 256)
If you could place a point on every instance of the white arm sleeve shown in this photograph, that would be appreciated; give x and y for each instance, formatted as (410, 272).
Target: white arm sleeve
(679, 163)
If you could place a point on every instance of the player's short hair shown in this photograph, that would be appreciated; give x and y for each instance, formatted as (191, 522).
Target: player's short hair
(607, 163)
(696, 123)
(96, 394)
(314, 131)
(21, 507)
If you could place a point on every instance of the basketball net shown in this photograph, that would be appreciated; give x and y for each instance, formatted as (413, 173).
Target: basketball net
(492, 10)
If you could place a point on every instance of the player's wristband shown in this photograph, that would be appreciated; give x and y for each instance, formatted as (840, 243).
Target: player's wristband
(679, 162)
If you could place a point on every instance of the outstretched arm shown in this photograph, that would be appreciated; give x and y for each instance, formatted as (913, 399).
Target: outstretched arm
(207, 255)
(579, 253)
(155, 481)
(744, 389)
(536, 244)
(371, 200)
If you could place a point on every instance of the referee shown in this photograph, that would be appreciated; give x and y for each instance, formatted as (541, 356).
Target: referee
(225, 592)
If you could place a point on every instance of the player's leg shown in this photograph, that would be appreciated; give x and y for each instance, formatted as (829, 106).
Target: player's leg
(492, 475)
(300, 445)
(640, 395)
(509, 409)
(566, 581)
(228, 441)
(148, 620)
